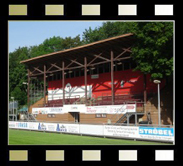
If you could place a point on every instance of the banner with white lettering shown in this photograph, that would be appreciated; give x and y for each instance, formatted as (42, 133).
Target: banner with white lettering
(156, 133)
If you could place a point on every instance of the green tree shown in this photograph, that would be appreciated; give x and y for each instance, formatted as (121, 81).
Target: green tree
(19, 95)
(17, 74)
(108, 29)
(153, 49)
(69, 42)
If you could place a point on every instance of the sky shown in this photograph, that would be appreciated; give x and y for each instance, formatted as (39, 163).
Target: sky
(31, 33)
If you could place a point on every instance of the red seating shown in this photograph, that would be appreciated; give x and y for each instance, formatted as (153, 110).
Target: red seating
(59, 102)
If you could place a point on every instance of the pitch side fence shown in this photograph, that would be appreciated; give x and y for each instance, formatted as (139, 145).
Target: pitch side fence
(150, 133)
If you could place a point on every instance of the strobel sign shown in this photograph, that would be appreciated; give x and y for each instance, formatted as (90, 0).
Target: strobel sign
(156, 131)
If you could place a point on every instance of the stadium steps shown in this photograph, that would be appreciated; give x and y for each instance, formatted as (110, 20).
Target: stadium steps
(123, 119)
(30, 117)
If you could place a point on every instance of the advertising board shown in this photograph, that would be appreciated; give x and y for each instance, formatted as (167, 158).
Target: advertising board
(74, 108)
(110, 109)
(47, 110)
(156, 133)
(91, 129)
(82, 108)
(133, 132)
(120, 131)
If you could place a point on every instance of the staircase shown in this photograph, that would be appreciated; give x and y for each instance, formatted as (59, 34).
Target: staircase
(123, 119)
(116, 116)
(30, 117)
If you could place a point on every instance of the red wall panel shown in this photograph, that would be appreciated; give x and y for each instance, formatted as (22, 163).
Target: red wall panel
(133, 83)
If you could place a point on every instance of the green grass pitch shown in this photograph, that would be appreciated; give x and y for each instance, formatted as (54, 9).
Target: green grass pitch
(22, 137)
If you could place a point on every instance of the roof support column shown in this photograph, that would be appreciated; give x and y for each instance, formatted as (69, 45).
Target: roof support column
(44, 85)
(85, 70)
(112, 77)
(63, 82)
(145, 90)
(28, 84)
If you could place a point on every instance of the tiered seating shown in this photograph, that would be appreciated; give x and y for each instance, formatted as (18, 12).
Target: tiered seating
(55, 103)
(59, 102)
(71, 100)
(121, 99)
(103, 100)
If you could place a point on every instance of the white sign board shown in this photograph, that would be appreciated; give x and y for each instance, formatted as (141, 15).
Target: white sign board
(74, 108)
(47, 110)
(67, 128)
(120, 131)
(142, 133)
(106, 109)
(91, 129)
(111, 109)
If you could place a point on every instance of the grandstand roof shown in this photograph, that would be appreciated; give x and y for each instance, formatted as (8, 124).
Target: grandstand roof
(103, 46)
(87, 55)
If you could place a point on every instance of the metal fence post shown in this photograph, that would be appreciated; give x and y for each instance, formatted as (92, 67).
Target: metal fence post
(135, 119)
(127, 119)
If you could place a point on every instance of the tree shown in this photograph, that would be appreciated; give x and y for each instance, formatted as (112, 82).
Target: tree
(17, 71)
(69, 42)
(19, 95)
(108, 29)
(153, 49)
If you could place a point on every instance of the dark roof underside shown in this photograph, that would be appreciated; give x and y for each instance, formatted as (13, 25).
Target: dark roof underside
(116, 44)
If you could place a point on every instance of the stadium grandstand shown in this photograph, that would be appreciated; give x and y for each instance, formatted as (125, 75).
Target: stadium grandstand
(93, 84)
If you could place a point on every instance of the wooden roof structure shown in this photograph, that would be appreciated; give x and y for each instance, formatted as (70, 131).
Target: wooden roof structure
(111, 50)
(94, 53)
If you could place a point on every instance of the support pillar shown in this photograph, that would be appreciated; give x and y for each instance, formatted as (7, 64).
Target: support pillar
(145, 91)
(135, 119)
(145, 94)
(28, 84)
(127, 119)
(44, 85)
(85, 73)
(63, 82)
(112, 77)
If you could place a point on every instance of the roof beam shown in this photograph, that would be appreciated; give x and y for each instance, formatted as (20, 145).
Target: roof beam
(70, 63)
(100, 57)
(50, 67)
(96, 56)
(36, 68)
(74, 61)
(56, 66)
(125, 50)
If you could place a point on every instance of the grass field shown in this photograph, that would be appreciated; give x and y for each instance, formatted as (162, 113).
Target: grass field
(22, 137)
